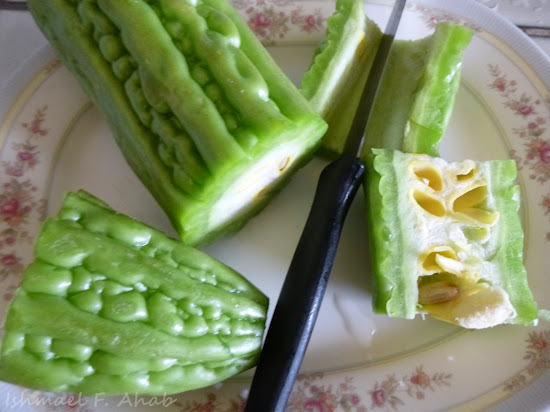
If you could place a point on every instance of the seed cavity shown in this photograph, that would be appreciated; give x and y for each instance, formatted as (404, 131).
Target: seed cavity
(428, 174)
(437, 259)
(471, 198)
(462, 177)
(429, 203)
(469, 203)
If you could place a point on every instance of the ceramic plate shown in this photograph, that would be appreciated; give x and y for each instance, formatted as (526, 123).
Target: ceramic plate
(53, 140)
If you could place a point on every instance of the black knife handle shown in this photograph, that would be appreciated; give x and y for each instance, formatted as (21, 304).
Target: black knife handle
(305, 283)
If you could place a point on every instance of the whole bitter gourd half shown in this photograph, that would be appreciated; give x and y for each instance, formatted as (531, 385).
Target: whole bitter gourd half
(202, 113)
(110, 305)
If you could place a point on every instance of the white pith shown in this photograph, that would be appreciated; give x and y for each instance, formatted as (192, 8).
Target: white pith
(486, 304)
(249, 187)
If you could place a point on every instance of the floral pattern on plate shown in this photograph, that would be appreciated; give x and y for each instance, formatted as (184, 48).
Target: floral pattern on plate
(18, 195)
(533, 133)
(537, 353)
(312, 394)
(275, 20)
(432, 17)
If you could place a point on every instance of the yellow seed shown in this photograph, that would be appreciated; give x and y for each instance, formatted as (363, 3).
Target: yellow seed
(429, 258)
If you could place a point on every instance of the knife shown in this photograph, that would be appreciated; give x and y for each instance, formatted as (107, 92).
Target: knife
(307, 277)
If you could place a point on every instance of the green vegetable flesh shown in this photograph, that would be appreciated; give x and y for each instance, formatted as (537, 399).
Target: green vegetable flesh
(339, 70)
(417, 92)
(201, 112)
(452, 225)
(110, 305)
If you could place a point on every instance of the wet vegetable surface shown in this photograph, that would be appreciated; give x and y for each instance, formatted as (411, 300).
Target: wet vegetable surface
(110, 305)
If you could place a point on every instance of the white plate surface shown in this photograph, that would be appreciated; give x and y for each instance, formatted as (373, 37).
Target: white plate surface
(53, 140)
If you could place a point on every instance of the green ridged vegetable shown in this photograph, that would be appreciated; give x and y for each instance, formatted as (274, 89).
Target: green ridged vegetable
(335, 79)
(447, 240)
(202, 113)
(110, 305)
(417, 92)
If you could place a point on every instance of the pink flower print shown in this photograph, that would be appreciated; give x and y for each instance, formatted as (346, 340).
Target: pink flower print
(315, 405)
(27, 157)
(524, 109)
(540, 344)
(354, 399)
(208, 406)
(35, 126)
(379, 397)
(421, 379)
(309, 22)
(262, 20)
(323, 402)
(13, 212)
(15, 171)
(500, 83)
(10, 207)
(535, 147)
(546, 205)
(259, 21)
(544, 154)
(9, 260)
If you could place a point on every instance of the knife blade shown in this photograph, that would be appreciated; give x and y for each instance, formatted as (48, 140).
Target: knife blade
(305, 283)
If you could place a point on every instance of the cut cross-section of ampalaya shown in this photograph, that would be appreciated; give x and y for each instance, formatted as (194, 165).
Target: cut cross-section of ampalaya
(110, 305)
(447, 240)
(202, 113)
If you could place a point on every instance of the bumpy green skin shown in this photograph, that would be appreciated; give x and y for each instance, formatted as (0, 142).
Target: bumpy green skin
(417, 92)
(393, 231)
(192, 97)
(339, 70)
(112, 306)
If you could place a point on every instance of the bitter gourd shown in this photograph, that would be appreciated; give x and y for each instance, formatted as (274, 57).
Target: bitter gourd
(417, 91)
(340, 67)
(416, 94)
(202, 113)
(447, 240)
(110, 305)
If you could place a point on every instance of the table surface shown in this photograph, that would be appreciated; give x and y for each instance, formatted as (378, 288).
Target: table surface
(20, 40)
